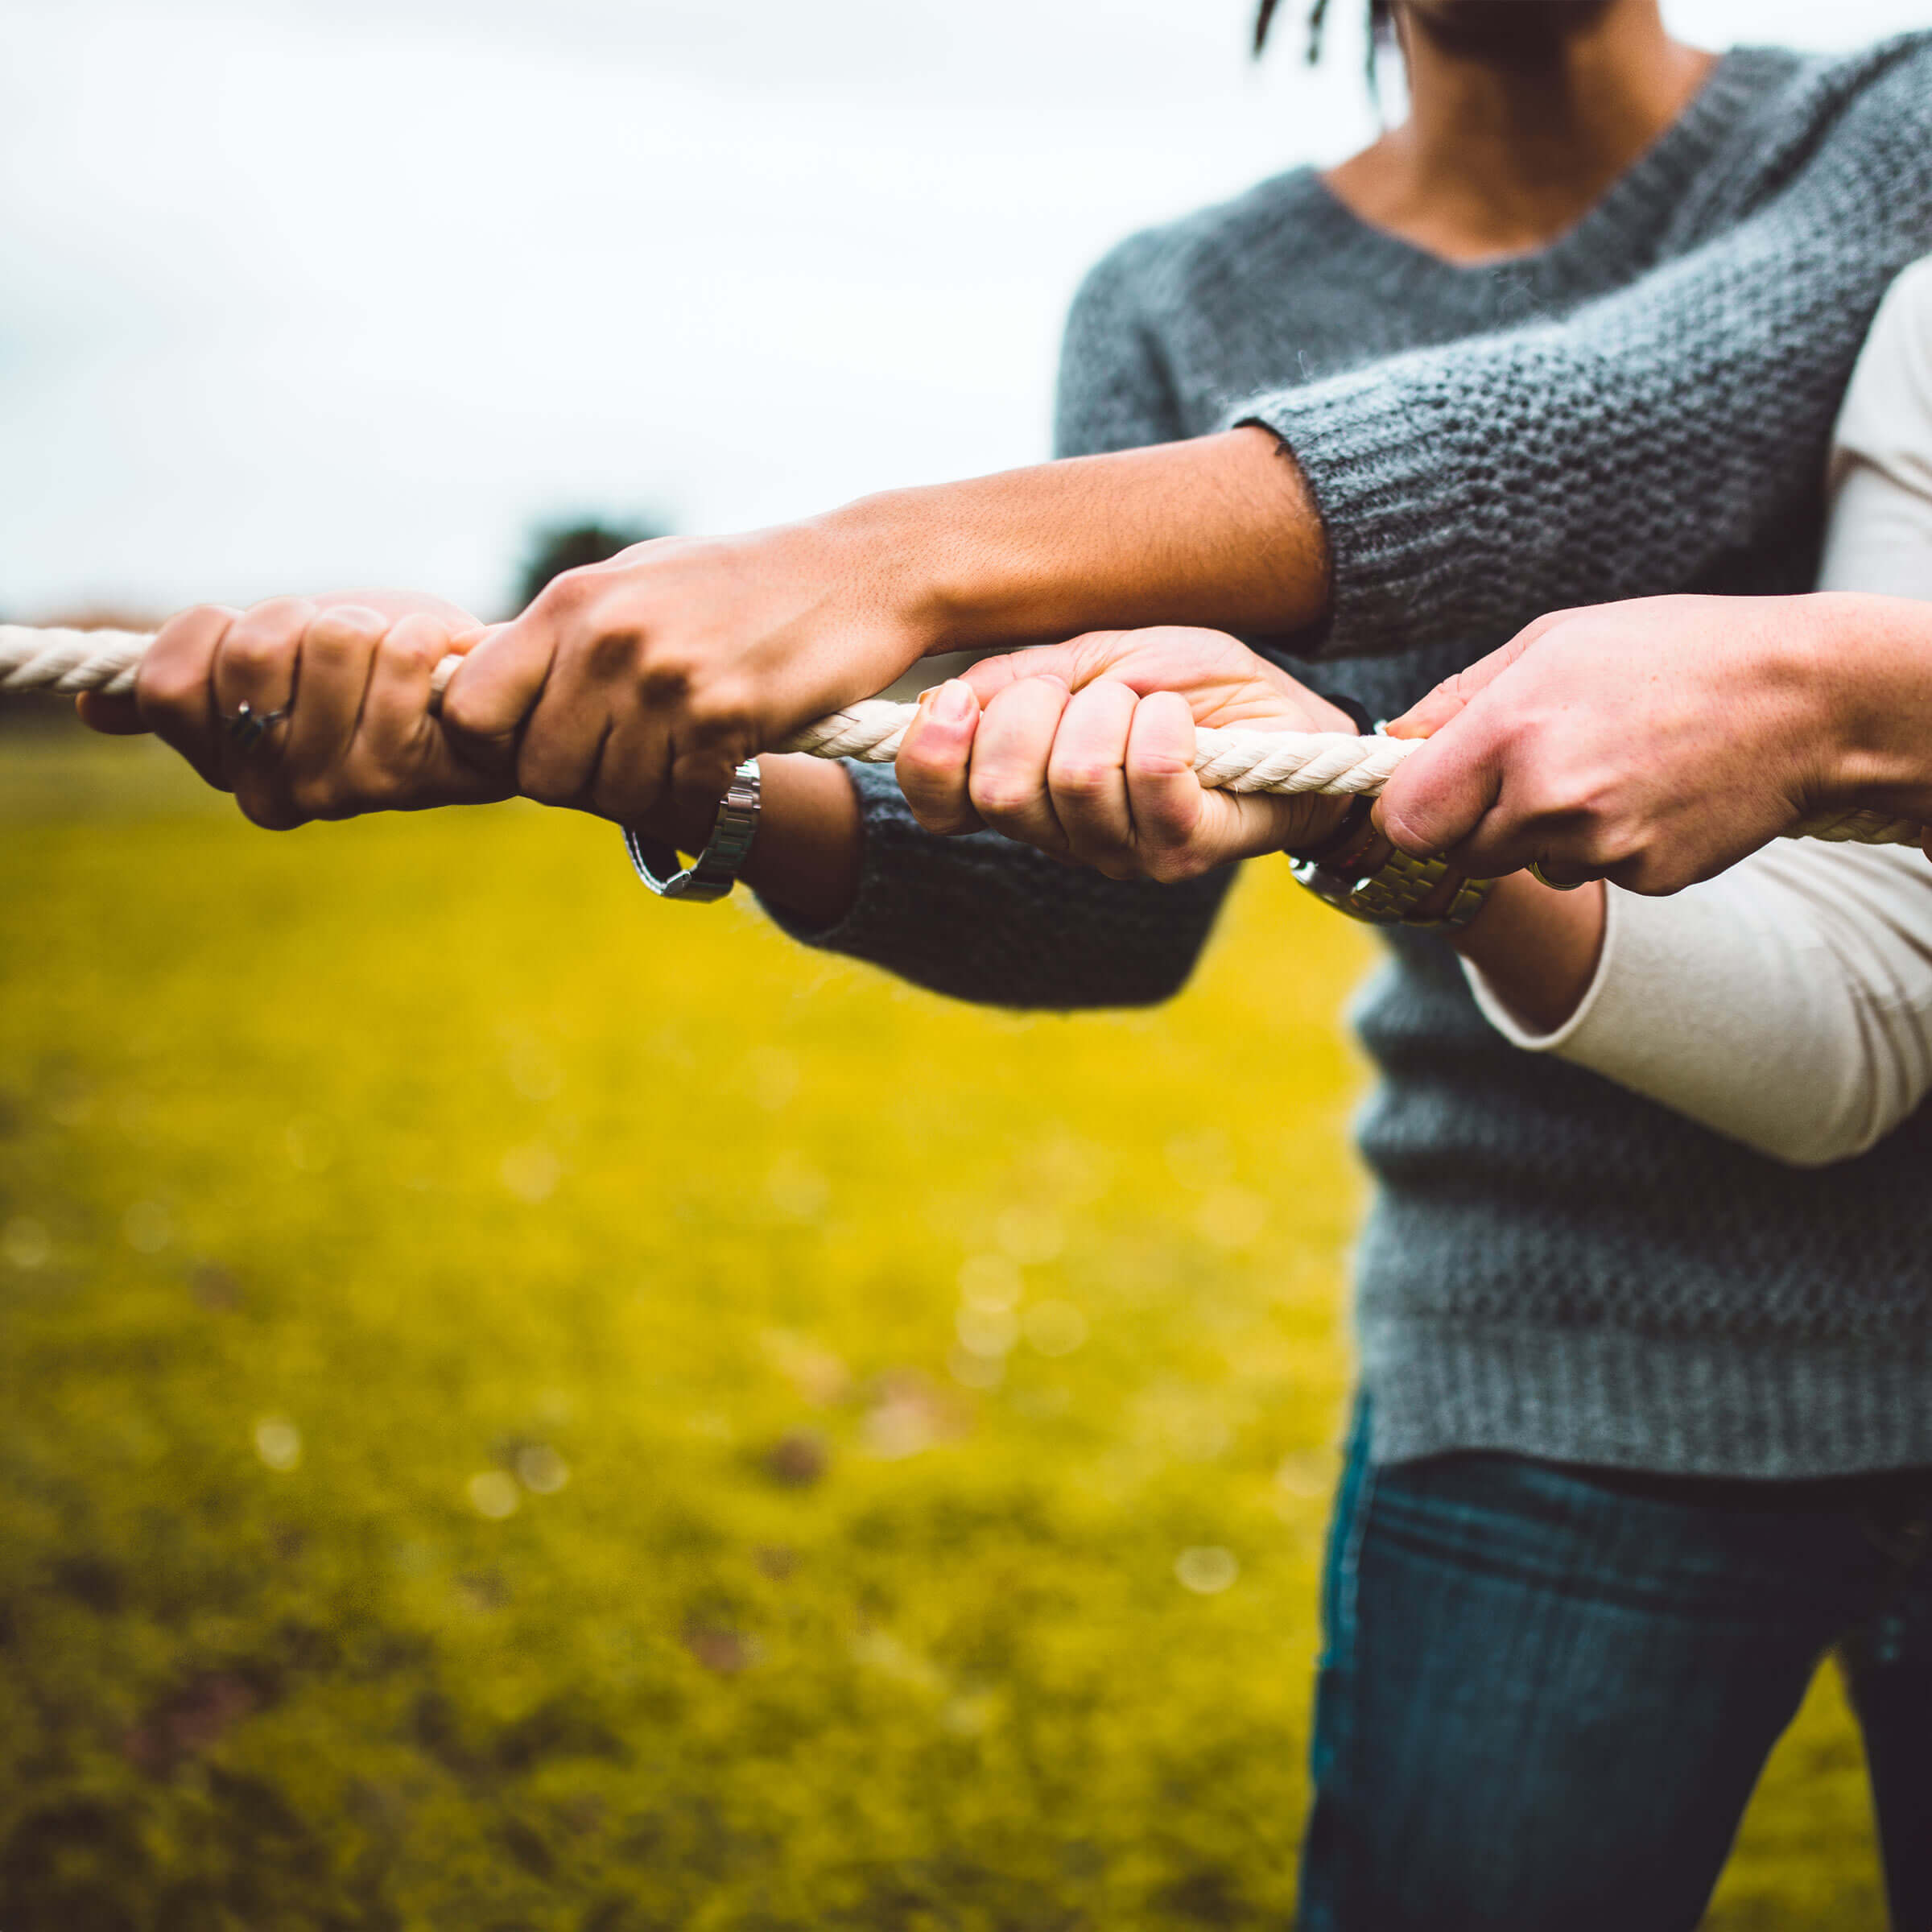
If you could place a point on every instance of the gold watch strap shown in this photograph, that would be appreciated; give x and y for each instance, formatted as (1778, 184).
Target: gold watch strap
(1390, 894)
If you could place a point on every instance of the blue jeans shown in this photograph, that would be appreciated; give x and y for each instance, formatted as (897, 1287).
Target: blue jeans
(1545, 1693)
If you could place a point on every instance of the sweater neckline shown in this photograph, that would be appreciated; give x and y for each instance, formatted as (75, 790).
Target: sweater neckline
(1622, 224)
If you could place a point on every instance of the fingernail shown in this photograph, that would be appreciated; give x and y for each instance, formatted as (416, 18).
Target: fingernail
(955, 703)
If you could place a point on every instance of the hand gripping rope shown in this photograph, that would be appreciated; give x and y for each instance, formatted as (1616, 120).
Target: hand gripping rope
(1336, 762)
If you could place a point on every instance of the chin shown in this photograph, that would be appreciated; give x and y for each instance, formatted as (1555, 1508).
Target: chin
(1502, 29)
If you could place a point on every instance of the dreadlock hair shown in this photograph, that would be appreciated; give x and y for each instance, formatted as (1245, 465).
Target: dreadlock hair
(1380, 26)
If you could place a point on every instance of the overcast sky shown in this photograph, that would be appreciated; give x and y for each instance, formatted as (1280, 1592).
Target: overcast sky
(305, 292)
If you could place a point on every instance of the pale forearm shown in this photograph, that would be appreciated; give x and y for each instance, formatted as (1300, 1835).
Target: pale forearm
(1873, 700)
(1786, 1005)
(1537, 948)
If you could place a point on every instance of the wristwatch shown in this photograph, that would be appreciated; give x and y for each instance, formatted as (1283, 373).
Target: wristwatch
(713, 873)
(1345, 871)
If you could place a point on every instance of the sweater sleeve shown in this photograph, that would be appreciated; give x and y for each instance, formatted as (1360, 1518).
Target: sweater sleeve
(1633, 446)
(981, 918)
(1787, 1004)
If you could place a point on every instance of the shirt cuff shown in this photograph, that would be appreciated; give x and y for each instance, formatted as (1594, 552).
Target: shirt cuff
(1576, 1032)
(875, 910)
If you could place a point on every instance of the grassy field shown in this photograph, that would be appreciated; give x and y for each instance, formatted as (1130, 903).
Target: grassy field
(524, 1408)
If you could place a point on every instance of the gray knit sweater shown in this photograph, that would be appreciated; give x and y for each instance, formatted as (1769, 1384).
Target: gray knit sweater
(1553, 1265)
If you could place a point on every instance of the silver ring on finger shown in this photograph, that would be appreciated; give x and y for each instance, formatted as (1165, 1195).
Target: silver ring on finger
(246, 726)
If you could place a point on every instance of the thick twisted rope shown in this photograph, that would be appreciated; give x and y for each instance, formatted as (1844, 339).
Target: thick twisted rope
(1334, 762)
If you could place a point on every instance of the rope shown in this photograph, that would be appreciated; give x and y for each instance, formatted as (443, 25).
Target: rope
(1334, 762)
(70, 660)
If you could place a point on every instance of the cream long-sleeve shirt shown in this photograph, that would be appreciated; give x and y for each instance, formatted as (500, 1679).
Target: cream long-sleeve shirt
(1788, 1002)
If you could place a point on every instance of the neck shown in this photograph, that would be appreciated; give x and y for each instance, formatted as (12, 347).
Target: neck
(1512, 139)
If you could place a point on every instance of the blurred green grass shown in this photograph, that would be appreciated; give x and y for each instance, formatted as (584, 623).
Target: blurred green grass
(485, 1439)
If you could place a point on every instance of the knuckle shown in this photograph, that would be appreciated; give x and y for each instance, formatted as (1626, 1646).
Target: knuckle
(1085, 778)
(197, 620)
(256, 659)
(612, 656)
(1544, 799)
(1161, 766)
(1615, 847)
(569, 594)
(412, 649)
(275, 617)
(664, 682)
(717, 706)
(255, 652)
(346, 625)
(329, 640)
(1001, 800)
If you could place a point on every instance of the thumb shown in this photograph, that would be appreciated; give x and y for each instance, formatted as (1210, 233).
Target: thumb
(119, 717)
(1425, 718)
(457, 645)
(503, 671)
(1438, 796)
(1076, 663)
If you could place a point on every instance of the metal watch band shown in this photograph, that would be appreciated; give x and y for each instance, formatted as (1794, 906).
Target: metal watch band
(1390, 895)
(1348, 835)
(713, 873)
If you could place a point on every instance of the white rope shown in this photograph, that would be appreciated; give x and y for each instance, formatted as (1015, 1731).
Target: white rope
(69, 660)
(1333, 761)
(1336, 762)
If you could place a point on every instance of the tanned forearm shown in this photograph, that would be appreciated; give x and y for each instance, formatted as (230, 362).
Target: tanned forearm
(1220, 531)
(806, 855)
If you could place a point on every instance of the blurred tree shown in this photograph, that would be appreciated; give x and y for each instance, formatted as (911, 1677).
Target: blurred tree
(556, 547)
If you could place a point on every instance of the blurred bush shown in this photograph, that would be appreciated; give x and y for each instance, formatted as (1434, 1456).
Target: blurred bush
(556, 547)
(523, 1408)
